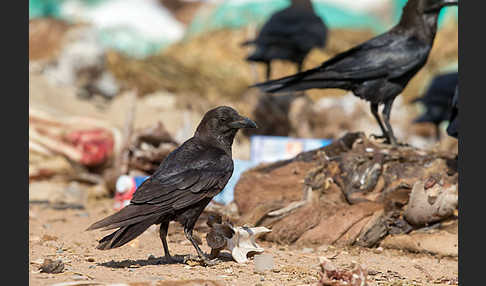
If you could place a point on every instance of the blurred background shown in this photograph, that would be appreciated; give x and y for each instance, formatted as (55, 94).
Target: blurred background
(115, 85)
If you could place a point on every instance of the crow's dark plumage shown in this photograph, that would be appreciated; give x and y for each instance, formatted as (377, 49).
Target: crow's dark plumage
(453, 128)
(379, 69)
(185, 182)
(289, 34)
(437, 100)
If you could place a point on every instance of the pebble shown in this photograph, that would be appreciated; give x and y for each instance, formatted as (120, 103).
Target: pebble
(307, 250)
(378, 250)
(263, 262)
(82, 214)
(52, 266)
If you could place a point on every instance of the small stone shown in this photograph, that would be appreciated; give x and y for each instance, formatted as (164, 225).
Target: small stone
(151, 256)
(263, 262)
(82, 214)
(307, 250)
(378, 250)
(92, 266)
(52, 266)
(47, 237)
(90, 259)
(262, 278)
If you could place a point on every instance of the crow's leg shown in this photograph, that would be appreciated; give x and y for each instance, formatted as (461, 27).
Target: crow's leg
(386, 118)
(214, 253)
(269, 70)
(374, 111)
(164, 227)
(299, 66)
(202, 255)
(437, 132)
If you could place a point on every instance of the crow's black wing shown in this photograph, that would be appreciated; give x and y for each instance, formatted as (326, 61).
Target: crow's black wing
(385, 56)
(188, 175)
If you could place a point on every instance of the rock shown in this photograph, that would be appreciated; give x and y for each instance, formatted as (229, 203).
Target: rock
(52, 266)
(263, 262)
(378, 250)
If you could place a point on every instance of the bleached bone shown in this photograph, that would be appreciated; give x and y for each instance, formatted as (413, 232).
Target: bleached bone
(243, 242)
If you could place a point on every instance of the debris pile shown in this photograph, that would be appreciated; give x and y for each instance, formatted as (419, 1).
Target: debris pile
(149, 147)
(86, 141)
(332, 276)
(353, 192)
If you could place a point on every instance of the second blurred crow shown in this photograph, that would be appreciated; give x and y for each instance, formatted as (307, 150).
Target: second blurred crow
(453, 128)
(289, 34)
(379, 69)
(437, 100)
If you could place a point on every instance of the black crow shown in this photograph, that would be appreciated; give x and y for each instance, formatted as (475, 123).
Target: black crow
(183, 185)
(437, 100)
(379, 69)
(453, 128)
(289, 34)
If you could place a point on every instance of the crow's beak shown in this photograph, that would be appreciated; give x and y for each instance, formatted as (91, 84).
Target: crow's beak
(440, 4)
(243, 123)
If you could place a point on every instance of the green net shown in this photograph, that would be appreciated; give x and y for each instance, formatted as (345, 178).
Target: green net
(236, 14)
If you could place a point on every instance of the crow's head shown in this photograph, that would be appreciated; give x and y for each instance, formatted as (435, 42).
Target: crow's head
(433, 6)
(221, 124)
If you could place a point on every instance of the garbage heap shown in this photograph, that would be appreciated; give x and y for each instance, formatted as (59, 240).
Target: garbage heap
(356, 191)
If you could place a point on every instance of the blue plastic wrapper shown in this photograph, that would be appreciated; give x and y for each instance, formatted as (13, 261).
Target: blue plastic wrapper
(227, 195)
(274, 148)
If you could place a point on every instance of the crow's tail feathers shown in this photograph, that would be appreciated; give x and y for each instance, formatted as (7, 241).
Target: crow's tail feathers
(125, 234)
(246, 43)
(132, 220)
(128, 215)
(296, 82)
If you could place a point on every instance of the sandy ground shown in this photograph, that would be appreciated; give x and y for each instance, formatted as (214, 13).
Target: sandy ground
(59, 234)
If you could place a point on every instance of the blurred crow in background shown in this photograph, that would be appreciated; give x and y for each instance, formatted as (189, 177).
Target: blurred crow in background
(453, 128)
(184, 184)
(437, 100)
(379, 69)
(289, 34)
